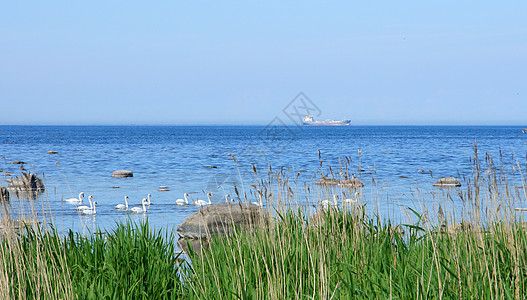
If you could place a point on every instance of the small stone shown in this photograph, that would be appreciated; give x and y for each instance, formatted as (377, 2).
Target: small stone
(17, 162)
(163, 190)
(53, 152)
(115, 187)
(447, 182)
(211, 167)
(123, 173)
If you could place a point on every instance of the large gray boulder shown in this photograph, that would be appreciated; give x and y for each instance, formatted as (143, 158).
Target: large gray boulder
(218, 219)
(447, 182)
(222, 219)
(26, 182)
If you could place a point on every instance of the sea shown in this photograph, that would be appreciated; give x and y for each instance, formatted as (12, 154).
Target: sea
(397, 164)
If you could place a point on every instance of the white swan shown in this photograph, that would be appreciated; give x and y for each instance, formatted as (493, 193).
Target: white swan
(136, 210)
(203, 202)
(75, 200)
(90, 211)
(328, 203)
(259, 202)
(182, 201)
(354, 200)
(148, 202)
(227, 198)
(123, 206)
(84, 207)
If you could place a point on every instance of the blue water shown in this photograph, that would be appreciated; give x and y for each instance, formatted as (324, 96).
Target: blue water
(181, 158)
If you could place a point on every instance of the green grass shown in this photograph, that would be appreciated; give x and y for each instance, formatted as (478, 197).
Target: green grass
(346, 257)
(133, 262)
(349, 257)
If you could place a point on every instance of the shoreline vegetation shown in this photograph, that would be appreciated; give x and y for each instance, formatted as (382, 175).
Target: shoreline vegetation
(340, 252)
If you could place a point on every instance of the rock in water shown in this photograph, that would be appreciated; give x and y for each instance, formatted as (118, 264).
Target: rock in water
(26, 182)
(328, 181)
(221, 219)
(53, 152)
(4, 193)
(352, 183)
(447, 182)
(123, 173)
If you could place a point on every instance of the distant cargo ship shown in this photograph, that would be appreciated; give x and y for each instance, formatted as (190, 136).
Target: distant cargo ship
(308, 120)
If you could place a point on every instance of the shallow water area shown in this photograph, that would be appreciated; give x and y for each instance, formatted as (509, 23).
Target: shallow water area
(196, 160)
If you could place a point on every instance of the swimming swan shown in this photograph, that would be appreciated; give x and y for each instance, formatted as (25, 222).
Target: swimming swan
(148, 202)
(227, 198)
(123, 206)
(354, 200)
(84, 207)
(328, 203)
(75, 200)
(136, 210)
(182, 201)
(90, 211)
(203, 202)
(260, 202)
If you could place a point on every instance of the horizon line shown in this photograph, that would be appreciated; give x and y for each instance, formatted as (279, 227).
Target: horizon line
(261, 124)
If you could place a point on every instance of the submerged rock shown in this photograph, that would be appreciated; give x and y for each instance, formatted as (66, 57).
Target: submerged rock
(353, 183)
(53, 152)
(328, 181)
(17, 162)
(122, 173)
(447, 182)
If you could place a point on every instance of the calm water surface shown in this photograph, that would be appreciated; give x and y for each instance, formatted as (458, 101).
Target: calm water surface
(195, 159)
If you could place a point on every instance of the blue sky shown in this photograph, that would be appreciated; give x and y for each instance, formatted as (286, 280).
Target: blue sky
(241, 63)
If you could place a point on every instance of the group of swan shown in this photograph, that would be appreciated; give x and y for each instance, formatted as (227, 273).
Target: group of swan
(197, 202)
(201, 202)
(84, 209)
(328, 203)
(91, 210)
(144, 203)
